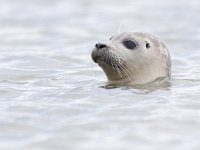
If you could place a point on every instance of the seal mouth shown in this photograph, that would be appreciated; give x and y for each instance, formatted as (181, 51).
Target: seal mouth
(114, 65)
(100, 54)
(105, 56)
(95, 56)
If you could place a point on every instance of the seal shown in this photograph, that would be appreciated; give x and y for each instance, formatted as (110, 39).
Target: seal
(133, 58)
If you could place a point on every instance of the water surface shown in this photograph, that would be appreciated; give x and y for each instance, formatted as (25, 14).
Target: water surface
(51, 91)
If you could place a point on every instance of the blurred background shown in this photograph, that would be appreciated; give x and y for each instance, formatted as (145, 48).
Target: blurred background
(50, 90)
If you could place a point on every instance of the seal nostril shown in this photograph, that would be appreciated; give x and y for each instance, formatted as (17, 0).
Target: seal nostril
(100, 45)
(96, 45)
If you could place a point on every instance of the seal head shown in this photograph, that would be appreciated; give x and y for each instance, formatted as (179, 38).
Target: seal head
(133, 58)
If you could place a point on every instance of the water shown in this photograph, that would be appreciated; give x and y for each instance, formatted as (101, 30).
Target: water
(51, 94)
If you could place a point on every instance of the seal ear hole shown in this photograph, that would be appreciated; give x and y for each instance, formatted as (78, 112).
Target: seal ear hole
(147, 45)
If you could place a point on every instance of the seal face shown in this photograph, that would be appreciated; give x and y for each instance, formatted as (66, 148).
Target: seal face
(133, 58)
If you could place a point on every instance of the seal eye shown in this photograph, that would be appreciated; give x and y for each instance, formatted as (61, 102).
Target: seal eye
(129, 44)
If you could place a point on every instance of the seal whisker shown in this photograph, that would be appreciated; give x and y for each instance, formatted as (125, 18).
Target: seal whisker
(126, 71)
(119, 72)
(114, 66)
(122, 64)
(118, 64)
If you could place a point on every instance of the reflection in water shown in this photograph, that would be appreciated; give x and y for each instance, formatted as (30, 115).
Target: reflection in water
(160, 84)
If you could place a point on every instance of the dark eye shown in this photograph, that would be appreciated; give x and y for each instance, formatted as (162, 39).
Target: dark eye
(129, 44)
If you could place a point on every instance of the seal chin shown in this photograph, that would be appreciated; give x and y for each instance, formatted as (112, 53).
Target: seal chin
(99, 54)
(102, 63)
(95, 55)
(111, 72)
